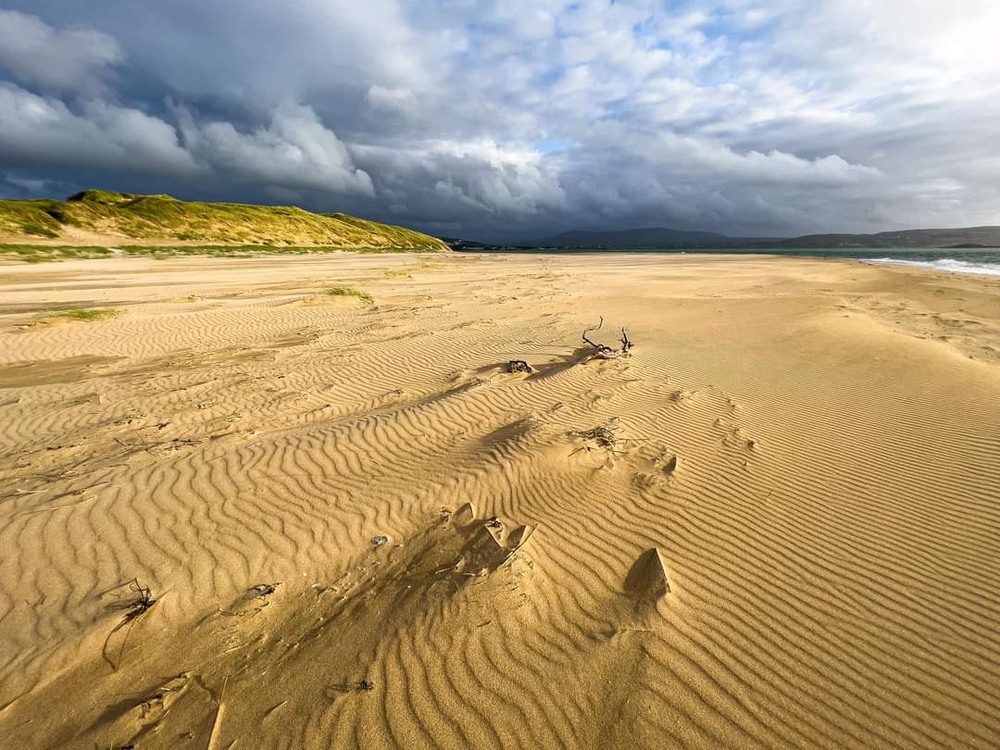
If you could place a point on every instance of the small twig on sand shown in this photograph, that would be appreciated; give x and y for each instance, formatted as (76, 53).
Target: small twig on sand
(134, 609)
(361, 686)
(518, 365)
(264, 590)
(606, 436)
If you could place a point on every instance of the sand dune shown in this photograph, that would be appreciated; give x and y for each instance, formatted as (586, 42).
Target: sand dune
(776, 524)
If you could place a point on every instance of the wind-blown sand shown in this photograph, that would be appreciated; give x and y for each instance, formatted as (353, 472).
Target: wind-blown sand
(812, 449)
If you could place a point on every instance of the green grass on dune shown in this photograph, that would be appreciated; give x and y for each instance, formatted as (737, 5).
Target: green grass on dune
(164, 218)
(31, 218)
(86, 314)
(49, 253)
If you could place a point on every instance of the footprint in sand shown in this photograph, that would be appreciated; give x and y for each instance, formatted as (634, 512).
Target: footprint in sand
(667, 466)
(136, 718)
(663, 467)
(683, 396)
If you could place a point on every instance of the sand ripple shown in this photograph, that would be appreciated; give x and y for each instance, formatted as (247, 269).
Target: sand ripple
(773, 526)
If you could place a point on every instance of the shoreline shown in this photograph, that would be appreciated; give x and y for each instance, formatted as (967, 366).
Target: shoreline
(169, 251)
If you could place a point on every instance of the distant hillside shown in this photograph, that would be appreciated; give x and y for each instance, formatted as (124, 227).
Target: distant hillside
(674, 239)
(967, 237)
(648, 237)
(138, 219)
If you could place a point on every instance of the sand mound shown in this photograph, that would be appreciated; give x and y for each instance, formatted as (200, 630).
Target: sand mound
(249, 523)
(647, 579)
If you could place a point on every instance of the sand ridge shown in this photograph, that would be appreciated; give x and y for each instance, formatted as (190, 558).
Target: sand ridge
(775, 525)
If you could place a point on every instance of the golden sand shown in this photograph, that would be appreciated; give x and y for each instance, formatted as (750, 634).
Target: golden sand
(776, 524)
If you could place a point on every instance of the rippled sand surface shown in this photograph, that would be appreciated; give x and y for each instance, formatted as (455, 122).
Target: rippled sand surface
(244, 513)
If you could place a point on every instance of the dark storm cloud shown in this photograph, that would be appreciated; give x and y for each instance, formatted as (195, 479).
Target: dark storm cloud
(516, 119)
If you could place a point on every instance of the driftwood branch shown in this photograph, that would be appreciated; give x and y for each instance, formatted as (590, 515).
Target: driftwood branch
(598, 327)
(603, 351)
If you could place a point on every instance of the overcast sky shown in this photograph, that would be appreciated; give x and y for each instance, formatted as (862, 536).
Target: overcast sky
(515, 119)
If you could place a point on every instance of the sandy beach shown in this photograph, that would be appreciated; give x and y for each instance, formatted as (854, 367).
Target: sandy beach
(246, 513)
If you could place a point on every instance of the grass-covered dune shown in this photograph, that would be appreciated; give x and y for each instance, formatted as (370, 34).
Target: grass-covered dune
(103, 217)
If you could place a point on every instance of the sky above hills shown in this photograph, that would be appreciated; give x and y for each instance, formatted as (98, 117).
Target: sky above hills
(509, 119)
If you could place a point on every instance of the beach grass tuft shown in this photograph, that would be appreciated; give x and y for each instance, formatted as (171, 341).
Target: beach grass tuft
(86, 314)
(347, 291)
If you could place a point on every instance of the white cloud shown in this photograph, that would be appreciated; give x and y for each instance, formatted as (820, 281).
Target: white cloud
(44, 130)
(294, 151)
(448, 178)
(705, 158)
(37, 53)
(386, 99)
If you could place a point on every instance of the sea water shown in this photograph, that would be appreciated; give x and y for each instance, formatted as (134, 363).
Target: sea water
(982, 262)
(985, 266)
